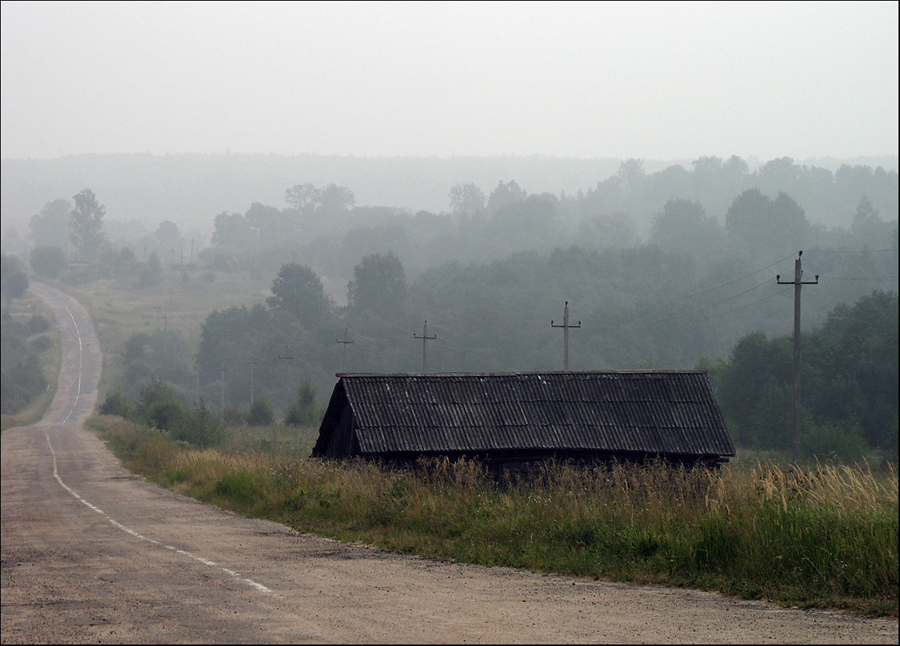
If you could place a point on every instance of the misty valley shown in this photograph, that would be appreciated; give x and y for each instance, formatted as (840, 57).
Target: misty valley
(673, 269)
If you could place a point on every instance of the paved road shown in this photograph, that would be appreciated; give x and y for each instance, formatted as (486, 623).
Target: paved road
(91, 553)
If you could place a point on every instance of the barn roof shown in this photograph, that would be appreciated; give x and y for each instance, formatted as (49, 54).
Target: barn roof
(670, 412)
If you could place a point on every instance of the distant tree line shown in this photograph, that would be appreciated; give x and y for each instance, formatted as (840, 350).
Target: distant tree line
(489, 274)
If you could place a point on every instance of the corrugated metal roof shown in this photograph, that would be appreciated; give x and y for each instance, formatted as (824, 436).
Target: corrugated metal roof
(643, 411)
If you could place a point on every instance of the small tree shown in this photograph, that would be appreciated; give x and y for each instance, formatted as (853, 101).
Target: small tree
(303, 410)
(160, 406)
(86, 221)
(261, 413)
(13, 280)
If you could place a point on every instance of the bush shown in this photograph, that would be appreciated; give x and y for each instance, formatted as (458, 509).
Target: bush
(261, 413)
(20, 385)
(41, 343)
(160, 407)
(38, 324)
(834, 440)
(116, 404)
(201, 427)
(303, 410)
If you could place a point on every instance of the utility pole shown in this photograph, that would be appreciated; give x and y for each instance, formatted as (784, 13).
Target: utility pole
(424, 338)
(252, 362)
(345, 342)
(222, 391)
(288, 357)
(797, 282)
(565, 326)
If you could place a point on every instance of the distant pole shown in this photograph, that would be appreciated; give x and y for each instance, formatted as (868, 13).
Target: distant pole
(287, 356)
(222, 391)
(252, 362)
(424, 338)
(565, 326)
(797, 282)
(345, 342)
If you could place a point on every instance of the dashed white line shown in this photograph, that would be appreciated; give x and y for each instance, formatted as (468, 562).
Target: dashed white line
(114, 522)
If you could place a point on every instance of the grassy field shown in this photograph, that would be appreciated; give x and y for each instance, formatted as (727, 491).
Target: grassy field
(119, 308)
(823, 537)
(22, 310)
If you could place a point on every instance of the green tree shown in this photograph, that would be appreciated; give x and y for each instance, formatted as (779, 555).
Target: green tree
(261, 413)
(336, 198)
(232, 232)
(47, 228)
(13, 279)
(767, 228)
(160, 406)
(466, 199)
(378, 285)
(303, 409)
(48, 262)
(504, 195)
(683, 227)
(86, 221)
(298, 290)
(303, 198)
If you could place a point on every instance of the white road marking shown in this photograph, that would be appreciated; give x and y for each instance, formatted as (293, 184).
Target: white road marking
(114, 522)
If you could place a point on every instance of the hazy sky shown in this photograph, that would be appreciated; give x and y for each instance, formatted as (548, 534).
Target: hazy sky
(646, 80)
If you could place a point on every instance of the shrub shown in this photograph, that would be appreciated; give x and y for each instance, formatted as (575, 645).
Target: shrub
(201, 427)
(303, 410)
(160, 407)
(41, 343)
(261, 413)
(116, 404)
(38, 324)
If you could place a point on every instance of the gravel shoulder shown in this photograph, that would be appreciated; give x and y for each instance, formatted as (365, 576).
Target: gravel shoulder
(92, 553)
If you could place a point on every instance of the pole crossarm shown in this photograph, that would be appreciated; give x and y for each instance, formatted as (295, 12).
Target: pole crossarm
(425, 338)
(344, 342)
(565, 326)
(797, 282)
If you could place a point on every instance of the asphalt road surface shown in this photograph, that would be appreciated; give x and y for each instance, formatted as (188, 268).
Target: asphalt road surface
(91, 553)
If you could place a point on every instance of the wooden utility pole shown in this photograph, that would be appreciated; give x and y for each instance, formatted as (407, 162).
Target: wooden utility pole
(287, 357)
(425, 338)
(565, 326)
(252, 363)
(345, 342)
(797, 282)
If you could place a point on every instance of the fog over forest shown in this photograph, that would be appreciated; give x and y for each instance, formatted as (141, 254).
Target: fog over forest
(142, 190)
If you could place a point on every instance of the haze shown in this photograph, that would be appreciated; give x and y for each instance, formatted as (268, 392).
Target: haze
(577, 80)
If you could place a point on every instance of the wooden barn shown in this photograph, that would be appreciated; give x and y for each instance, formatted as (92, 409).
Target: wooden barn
(510, 420)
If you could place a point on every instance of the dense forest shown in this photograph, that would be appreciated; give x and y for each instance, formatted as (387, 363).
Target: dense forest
(672, 269)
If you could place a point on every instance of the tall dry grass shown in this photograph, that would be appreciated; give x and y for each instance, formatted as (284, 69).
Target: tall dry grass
(821, 537)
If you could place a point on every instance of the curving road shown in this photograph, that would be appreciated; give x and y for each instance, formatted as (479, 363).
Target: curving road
(91, 553)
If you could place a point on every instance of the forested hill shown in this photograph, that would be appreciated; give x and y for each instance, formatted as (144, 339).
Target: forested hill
(190, 189)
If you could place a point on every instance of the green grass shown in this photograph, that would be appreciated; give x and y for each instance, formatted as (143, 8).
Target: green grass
(822, 537)
(119, 308)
